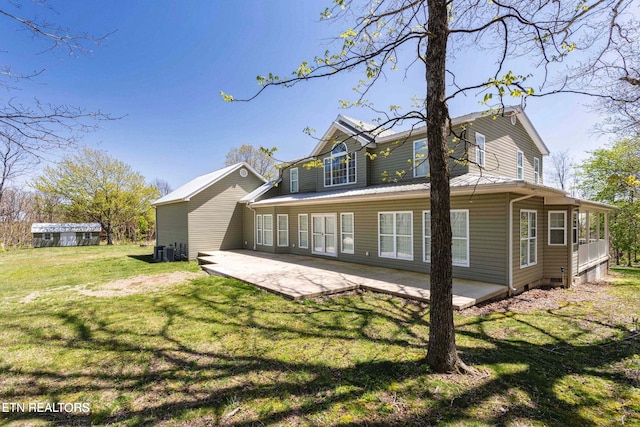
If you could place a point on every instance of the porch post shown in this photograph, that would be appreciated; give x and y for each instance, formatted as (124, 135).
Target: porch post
(606, 233)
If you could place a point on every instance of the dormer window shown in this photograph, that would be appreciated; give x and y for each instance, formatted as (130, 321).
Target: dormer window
(520, 165)
(293, 180)
(340, 167)
(420, 158)
(480, 141)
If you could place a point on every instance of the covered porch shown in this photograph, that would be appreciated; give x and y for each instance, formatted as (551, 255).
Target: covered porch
(299, 277)
(590, 242)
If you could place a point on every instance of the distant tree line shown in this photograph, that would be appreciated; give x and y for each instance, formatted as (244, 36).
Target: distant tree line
(87, 187)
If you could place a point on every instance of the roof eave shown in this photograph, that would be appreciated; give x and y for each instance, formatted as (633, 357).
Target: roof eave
(467, 118)
(170, 202)
(566, 200)
(336, 125)
(223, 176)
(519, 187)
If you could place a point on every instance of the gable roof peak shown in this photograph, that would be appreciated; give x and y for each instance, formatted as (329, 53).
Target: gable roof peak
(370, 134)
(363, 132)
(185, 192)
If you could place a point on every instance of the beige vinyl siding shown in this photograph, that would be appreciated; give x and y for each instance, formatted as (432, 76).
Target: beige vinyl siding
(556, 257)
(488, 237)
(306, 178)
(215, 216)
(398, 163)
(285, 184)
(459, 155)
(381, 166)
(248, 227)
(172, 224)
(487, 234)
(528, 276)
(503, 140)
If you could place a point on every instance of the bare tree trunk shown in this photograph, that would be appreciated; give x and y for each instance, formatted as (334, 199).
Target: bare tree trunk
(441, 353)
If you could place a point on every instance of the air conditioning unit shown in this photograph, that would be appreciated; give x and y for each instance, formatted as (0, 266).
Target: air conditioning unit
(169, 253)
(157, 252)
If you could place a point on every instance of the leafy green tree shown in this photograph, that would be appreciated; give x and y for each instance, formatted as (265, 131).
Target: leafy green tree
(382, 35)
(612, 175)
(92, 186)
(624, 229)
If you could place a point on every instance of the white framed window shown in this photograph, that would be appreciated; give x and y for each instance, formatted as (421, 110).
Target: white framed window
(267, 229)
(536, 170)
(426, 236)
(520, 165)
(303, 231)
(283, 230)
(420, 158)
(459, 236)
(347, 233)
(557, 228)
(340, 167)
(528, 238)
(293, 180)
(259, 229)
(395, 235)
(47, 236)
(86, 235)
(480, 144)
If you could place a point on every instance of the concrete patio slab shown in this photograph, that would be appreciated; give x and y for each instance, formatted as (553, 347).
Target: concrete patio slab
(298, 277)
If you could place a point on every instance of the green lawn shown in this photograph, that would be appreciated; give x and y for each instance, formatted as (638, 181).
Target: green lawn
(211, 351)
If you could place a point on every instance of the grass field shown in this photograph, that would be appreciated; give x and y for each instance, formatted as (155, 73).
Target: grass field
(175, 347)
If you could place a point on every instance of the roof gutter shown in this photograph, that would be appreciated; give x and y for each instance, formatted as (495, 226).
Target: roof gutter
(255, 232)
(510, 254)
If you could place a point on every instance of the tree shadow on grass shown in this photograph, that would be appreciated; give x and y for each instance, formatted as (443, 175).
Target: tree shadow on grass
(222, 354)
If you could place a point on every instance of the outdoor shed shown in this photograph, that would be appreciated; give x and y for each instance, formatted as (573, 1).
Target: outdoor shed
(204, 214)
(65, 234)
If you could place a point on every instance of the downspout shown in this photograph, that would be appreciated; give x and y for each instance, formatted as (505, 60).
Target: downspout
(510, 254)
(254, 224)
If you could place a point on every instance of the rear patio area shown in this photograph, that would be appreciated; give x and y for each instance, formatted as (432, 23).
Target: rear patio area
(299, 277)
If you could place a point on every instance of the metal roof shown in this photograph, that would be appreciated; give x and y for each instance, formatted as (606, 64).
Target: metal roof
(467, 183)
(251, 197)
(196, 185)
(68, 227)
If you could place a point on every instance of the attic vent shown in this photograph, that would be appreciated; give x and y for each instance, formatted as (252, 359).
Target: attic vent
(513, 119)
(243, 173)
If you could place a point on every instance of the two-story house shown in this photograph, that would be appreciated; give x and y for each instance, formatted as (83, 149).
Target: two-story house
(362, 196)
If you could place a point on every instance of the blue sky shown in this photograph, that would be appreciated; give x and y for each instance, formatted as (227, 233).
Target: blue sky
(164, 65)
